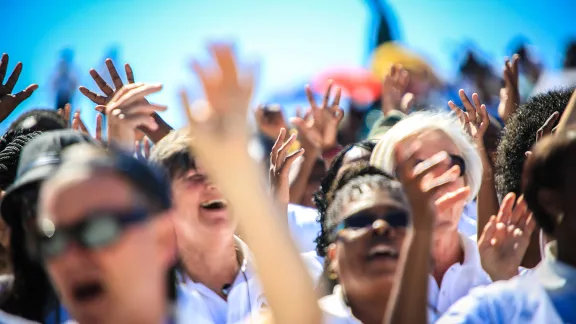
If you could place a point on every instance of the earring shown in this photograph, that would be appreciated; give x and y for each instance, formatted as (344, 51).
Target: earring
(559, 218)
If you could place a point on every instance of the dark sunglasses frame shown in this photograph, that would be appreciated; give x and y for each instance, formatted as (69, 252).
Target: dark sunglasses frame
(396, 219)
(455, 160)
(106, 227)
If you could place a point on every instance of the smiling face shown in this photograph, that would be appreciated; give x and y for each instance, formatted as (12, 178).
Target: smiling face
(372, 228)
(200, 207)
(108, 284)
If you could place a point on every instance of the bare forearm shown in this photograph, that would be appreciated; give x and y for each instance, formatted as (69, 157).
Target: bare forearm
(298, 187)
(487, 203)
(408, 302)
(286, 282)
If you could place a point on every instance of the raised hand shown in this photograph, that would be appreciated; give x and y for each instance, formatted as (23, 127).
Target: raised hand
(475, 120)
(106, 89)
(8, 100)
(270, 120)
(509, 95)
(321, 126)
(128, 110)
(78, 123)
(394, 95)
(66, 113)
(220, 122)
(548, 128)
(280, 163)
(505, 239)
(420, 185)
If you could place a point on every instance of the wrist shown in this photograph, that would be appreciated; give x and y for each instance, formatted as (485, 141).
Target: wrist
(331, 151)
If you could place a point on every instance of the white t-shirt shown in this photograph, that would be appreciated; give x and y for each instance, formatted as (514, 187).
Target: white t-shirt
(6, 318)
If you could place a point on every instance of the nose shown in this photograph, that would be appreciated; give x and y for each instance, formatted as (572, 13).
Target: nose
(382, 228)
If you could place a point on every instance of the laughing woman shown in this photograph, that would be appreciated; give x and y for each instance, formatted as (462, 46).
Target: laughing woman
(368, 221)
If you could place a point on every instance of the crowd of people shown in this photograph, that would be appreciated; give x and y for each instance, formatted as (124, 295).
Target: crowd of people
(446, 215)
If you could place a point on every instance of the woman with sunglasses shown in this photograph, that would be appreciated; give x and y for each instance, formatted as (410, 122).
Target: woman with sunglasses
(369, 218)
(456, 259)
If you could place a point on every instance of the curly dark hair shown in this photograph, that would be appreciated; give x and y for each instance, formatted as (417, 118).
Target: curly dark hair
(546, 169)
(520, 134)
(11, 145)
(320, 198)
(350, 181)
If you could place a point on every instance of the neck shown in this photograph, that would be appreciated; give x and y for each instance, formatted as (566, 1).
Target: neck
(369, 308)
(213, 265)
(446, 251)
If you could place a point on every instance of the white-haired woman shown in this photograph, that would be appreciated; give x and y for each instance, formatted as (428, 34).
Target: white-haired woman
(456, 261)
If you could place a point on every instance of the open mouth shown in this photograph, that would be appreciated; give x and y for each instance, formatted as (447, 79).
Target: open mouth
(382, 251)
(214, 204)
(87, 292)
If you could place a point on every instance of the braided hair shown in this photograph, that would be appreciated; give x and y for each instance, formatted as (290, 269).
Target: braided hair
(11, 145)
(320, 196)
(349, 183)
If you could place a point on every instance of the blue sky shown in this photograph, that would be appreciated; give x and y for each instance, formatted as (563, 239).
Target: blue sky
(294, 39)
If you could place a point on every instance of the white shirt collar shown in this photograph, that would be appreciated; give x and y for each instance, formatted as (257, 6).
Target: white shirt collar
(335, 309)
(554, 274)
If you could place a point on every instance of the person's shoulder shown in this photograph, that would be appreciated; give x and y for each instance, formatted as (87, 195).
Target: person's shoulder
(333, 310)
(500, 302)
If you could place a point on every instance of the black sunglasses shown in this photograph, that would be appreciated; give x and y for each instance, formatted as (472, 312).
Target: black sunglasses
(395, 219)
(98, 230)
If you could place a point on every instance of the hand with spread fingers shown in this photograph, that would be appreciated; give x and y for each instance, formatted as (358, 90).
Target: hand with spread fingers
(8, 100)
(505, 238)
(128, 110)
(321, 126)
(280, 163)
(109, 93)
(548, 128)
(509, 95)
(420, 184)
(270, 119)
(220, 121)
(475, 119)
(394, 95)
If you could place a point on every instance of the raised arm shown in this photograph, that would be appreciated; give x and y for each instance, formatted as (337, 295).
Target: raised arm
(220, 142)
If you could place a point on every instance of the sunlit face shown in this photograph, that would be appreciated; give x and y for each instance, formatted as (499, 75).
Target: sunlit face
(110, 284)
(200, 208)
(433, 142)
(365, 259)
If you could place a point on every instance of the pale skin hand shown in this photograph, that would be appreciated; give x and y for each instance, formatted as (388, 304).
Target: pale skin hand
(128, 110)
(394, 95)
(509, 95)
(8, 100)
(321, 126)
(505, 239)
(109, 93)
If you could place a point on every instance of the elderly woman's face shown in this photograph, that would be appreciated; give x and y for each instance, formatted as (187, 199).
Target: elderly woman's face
(433, 142)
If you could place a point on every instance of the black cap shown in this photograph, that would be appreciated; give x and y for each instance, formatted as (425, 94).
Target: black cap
(38, 161)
